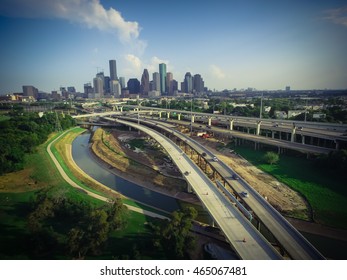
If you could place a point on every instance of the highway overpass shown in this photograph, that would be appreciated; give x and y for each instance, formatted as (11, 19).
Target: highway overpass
(296, 245)
(234, 225)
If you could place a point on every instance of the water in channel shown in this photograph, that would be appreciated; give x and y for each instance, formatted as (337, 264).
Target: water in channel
(84, 159)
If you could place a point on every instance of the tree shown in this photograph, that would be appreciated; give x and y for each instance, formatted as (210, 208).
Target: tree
(116, 214)
(174, 236)
(271, 158)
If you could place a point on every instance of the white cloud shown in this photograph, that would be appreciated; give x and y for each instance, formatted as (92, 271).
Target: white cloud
(217, 72)
(338, 16)
(89, 13)
(153, 65)
(133, 66)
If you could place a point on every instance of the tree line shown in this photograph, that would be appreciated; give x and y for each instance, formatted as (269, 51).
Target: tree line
(22, 133)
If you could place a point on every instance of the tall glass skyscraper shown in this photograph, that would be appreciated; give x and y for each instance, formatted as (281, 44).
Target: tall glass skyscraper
(162, 72)
(113, 70)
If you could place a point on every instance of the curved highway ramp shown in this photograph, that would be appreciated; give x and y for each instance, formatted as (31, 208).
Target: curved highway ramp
(244, 238)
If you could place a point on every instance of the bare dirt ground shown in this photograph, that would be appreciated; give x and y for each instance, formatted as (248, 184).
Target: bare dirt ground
(144, 167)
(278, 194)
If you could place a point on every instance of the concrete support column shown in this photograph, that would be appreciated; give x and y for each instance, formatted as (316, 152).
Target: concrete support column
(247, 130)
(159, 115)
(150, 112)
(272, 134)
(113, 108)
(179, 117)
(303, 139)
(121, 108)
(193, 118)
(209, 121)
(189, 188)
(231, 124)
(168, 115)
(255, 146)
(258, 225)
(258, 127)
(293, 134)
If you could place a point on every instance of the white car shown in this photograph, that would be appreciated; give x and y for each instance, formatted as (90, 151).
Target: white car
(215, 159)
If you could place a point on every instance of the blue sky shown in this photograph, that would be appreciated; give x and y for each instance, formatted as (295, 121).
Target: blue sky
(262, 44)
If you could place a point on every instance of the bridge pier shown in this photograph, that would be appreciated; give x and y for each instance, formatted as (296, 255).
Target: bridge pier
(303, 139)
(168, 115)
(193, 118)
(293, 134)
(231, 124)
(179, 117)
(159, 114)
(209, 122)
(258, 127)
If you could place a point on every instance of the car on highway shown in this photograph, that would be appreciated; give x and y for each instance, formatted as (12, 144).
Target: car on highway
(245, 194)
(215, 159)
(235, 177)
(186, 173)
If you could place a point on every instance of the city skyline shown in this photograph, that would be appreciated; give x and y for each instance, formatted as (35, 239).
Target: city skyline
(232, 44)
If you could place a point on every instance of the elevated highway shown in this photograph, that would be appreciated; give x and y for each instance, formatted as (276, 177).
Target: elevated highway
(306, 137)
(325, 135)
(296, 245)
(234, 225)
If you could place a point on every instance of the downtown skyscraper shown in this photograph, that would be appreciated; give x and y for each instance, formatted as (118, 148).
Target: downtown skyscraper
(162, 72)
(113, 70)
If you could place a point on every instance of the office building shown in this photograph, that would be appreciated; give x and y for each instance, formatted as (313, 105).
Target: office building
(198, 83)
(30, 91)
(113, 70)
(162, 72)
(133, 86)
(156, 81)
(145, 82)
(122, 82)
(98, 83)
(87, 89)
(188, 83)
(169, 78)
(115, 88)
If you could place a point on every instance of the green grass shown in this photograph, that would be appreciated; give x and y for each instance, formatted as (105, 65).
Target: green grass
(15, 207)
(4, 118)
(137, 235)
(325, 191)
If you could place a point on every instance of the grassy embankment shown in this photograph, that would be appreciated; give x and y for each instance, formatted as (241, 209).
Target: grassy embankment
(325, 191)
(19, 189)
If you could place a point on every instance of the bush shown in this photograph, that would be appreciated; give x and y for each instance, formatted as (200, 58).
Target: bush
(271, 158)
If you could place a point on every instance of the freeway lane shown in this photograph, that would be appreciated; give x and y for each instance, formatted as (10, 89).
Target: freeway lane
(293, 242)
(264, 140)
(234, 225)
